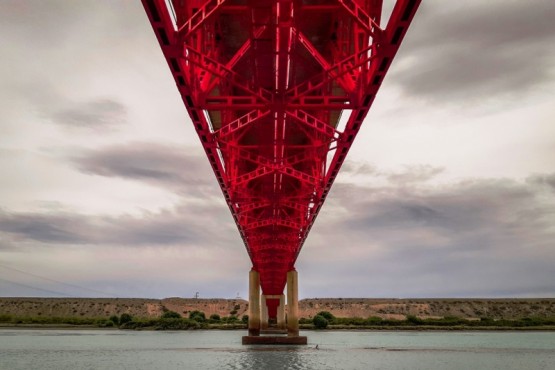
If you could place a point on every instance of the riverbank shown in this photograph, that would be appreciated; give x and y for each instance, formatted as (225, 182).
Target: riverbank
(171, 321)
(384, 308)
(331, 314)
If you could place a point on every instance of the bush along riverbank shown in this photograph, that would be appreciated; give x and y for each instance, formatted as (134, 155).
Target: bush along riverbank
(325, 320)
(168, 321)
(171, 320)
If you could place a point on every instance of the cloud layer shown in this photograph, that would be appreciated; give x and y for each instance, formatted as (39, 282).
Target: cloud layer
(182, 170)
(477, 49)
(485, 237)
(477, 237)
(97, 114)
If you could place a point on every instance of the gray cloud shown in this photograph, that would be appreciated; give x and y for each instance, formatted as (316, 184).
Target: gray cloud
(183, 226)
(547, 180)
(181, 170)
(492, 210)
(358, 168)
(97, 114)
(409, 175)
(170, 252)
(477, 49)
(53, 50)
(44, 228)
(52, 23)
(475, 237)
(416, 173)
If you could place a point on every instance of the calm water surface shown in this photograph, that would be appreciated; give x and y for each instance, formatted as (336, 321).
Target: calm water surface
(107, 349)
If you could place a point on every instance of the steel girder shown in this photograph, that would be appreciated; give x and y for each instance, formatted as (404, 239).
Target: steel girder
(265, 83)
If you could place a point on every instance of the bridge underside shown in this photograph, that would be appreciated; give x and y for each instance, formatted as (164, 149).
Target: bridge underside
(277, 91)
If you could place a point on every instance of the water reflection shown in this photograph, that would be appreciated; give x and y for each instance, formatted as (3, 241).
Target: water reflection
(275, 357)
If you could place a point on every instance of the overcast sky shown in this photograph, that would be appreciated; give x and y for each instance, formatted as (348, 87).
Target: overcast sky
(449, 190)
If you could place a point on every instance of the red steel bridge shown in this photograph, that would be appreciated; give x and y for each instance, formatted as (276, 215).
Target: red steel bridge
(277, 91)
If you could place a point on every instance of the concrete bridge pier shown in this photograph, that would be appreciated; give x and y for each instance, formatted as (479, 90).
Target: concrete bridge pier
(281, 313)
(254, 303)
(259, 315)
(265, 318)
(292, 304)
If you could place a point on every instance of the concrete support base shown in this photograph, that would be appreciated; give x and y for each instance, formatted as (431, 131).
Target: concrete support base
(274, 339)
(273, 331)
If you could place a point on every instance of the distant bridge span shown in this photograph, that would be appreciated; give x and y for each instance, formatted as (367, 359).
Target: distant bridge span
(277, 91)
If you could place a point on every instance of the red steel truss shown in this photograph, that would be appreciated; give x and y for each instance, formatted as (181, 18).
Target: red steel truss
(277, 91)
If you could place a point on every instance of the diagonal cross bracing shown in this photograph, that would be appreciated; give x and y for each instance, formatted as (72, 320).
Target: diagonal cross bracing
(314, 123)
(273, 222)
(347, 84)
(238, 55)
(220, 70)
(361, 17)
(349, 65)
(241, 122)
(199, 17)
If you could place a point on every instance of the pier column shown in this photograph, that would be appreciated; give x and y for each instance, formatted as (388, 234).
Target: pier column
(281, 312)
(254, 303)
(292, 304)
(263, 312)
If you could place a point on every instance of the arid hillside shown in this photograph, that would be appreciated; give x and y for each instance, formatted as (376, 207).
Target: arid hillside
(430, 308)
(105, 307)
(347, 307)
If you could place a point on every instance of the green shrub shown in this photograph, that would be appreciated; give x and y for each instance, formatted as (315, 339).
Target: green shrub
(320, 322)
(411, 319)
(245, 319)
(104, 323)
(230, 319)
(197, 316)
(326, 315)
(215, 317)
(125, 318)
(176, 324)
(171, 315)
(139, 323)
(114, 319)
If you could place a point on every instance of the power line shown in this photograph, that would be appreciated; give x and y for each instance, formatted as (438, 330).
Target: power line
(57, 281)
(35, 288)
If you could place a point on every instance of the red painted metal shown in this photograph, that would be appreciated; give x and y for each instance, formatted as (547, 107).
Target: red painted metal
(267, 84)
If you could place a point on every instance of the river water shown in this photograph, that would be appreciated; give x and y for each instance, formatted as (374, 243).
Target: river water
(138, 350)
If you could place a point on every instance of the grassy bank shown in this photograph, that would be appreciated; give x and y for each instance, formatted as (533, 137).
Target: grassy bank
(169, 321)
(325, 320)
